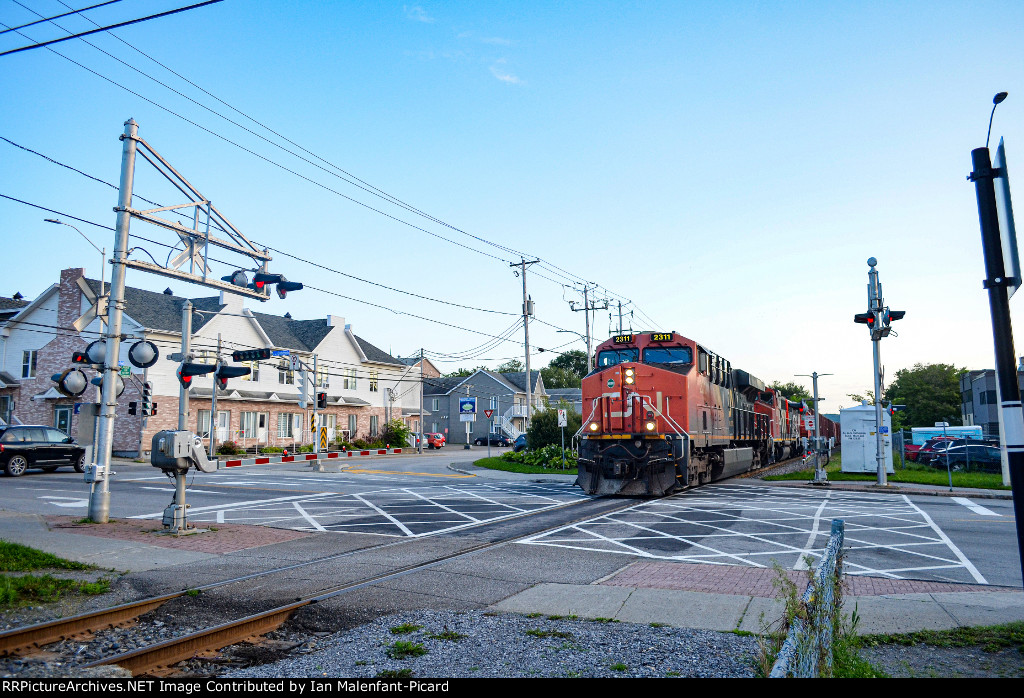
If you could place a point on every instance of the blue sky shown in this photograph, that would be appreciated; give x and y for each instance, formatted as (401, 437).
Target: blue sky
(729, 167)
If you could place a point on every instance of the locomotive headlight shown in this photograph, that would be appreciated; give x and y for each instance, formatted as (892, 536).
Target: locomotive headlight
(630, 376)
(594, 426)
(650, 426)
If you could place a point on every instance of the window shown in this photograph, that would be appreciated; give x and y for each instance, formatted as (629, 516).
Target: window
(493, 402)
(322, 378)
(28, 364)
(373, 381)
(203, 423)
(285, 374)
(284, 425)
(611, 357)
(331, 421)
(348, 379)
(353, 423)
(991, 393)
(254, 371)
(981, 397)
(435, 406)
(250, 420)
(373, 425)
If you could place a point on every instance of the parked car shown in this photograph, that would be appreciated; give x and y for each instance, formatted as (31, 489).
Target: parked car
(435, 440)
(972, 457)
(494, 439)
(520, 443)
(36, 446)
(930, 448)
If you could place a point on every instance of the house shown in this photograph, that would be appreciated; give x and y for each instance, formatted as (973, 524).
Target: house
(19, 363)
(573, 397)
(365, 385)
(505, 393)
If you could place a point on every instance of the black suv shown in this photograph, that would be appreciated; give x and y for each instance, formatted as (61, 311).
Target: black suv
(26, 446)
(495, 439)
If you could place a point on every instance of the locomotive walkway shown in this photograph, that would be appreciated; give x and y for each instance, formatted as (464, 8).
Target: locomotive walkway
(711, 596)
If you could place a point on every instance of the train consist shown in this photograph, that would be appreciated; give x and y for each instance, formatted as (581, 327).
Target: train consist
(661, 413)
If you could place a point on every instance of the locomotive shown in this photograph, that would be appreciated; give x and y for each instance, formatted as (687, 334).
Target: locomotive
(661, 413)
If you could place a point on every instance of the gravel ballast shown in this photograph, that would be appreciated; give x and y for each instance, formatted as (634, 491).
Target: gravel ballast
(478, 644)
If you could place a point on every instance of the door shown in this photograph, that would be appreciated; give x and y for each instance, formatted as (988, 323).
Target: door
(261, 426)
(223, 426)
(62, 418)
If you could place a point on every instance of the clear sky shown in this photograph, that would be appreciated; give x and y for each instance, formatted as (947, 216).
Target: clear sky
(727, 166)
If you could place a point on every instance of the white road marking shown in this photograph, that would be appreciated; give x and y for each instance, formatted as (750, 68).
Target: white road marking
(238, 505)
(73, 501)
(956, 551)
(305, 515)
(976, 508)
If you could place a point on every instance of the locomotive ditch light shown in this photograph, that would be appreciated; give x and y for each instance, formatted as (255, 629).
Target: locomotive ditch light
(650, 426)
(594, 426)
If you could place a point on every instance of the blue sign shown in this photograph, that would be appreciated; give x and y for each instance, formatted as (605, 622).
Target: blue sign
(467, 405)
(885, 430)
(280, 352)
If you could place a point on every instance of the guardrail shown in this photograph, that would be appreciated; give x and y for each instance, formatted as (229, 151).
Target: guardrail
(807, 650)
(303, 457)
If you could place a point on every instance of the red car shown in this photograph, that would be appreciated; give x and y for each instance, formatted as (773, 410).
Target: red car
(930, 449)
(435, 440)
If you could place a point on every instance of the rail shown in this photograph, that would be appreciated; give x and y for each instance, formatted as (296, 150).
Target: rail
(807, 650)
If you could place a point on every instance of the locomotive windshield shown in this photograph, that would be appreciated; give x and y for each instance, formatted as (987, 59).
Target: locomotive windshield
(611, 357)
(668, 355)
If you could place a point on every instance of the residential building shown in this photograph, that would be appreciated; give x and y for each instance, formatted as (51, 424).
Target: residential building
(365, 385)
(573, 397)
(505, 393)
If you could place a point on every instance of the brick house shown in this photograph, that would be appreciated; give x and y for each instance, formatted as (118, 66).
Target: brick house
(365, 385)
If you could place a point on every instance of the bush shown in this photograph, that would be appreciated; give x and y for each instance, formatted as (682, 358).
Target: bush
(229, 448)
(396, 434)
(307, 448)
(272, 449)
(361, 444)
(544, 429)
(547, 457)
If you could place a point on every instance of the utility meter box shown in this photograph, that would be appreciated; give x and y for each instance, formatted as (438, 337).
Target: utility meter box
(179, 451)
(859, 440)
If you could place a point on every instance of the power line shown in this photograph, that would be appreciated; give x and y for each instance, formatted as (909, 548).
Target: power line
(109, 27)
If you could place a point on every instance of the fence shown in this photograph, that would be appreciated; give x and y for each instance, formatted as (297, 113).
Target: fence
(807, 650)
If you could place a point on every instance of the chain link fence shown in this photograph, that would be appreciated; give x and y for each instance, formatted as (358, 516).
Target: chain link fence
(807, 650)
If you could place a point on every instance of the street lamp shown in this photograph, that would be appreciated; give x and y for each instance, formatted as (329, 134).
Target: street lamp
(103, 252)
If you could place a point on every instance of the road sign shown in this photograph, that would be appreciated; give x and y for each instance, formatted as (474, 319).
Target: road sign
(467, 405)
(323, 438)
(468, 417)
(563, 419)
(312, 423)
(280, 352)
(125, 370)
(488, 413)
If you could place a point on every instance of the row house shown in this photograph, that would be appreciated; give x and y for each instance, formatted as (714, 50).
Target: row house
(365, 385)
(505, 393)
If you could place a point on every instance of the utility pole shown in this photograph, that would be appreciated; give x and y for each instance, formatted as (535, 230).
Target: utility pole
(620, 317)
(820, 476)
(213, 406)
(99, 496)
(588, 306)
(422, 385)
(875, 306)
(527, 312)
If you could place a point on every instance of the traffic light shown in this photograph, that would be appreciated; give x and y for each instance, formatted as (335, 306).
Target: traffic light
(148, 408)
(284, 286)
(237, 278)
(251, 355)
(187, 370)
(867, 318)
(71, 383)
(321, 401)
(79, 357)
(132, 408)
(223, 372)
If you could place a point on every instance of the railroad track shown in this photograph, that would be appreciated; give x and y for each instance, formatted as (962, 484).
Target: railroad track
(157, 658)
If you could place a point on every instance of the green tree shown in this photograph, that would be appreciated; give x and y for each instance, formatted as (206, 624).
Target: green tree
(557, 377)
(511, 366)
(463, 372)
(544, 429)
(792, 391)
(931, 393)
(574, 361)
(859, 398)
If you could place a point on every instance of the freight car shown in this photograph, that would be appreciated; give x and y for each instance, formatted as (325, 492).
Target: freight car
(662, 412)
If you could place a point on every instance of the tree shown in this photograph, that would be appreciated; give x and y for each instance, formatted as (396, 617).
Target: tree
(463, 372)
(574, 361)
(511, 366)
(859, 398)
(931, 393)
(557, 377)
(792, 391)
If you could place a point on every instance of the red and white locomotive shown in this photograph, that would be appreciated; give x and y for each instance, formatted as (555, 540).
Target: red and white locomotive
(661, 412)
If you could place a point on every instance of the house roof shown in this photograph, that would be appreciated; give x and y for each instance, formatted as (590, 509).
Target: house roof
(442, 386)
(10, 306)
(518, 379)
(377, 355)
(567, 393)
(515, 382)
(305, 335)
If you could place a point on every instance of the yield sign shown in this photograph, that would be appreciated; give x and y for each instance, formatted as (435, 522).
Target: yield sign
(488, 413)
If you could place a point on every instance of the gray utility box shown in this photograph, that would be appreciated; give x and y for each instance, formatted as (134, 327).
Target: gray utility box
(859, 441)
(179, 451)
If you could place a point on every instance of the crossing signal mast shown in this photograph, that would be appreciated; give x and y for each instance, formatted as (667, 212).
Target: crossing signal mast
(878, 319)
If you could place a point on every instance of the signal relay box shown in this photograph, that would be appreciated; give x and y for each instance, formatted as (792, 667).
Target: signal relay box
(179, 451)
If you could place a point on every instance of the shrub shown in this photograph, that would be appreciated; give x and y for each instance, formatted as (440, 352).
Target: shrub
(544, 429)
(396, 434)
(272, 449)
(229, 448)
(546, 457)
(307, 448)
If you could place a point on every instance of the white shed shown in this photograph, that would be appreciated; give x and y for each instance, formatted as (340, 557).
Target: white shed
(859, 441)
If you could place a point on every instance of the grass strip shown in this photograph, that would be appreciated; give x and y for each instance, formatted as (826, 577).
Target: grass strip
(499, 464)
(991, 638)
(29, 588)
(21, 558)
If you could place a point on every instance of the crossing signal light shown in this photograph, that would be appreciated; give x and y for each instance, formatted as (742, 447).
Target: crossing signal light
(132, 408)
(238, 278)
(187, 370)
(220, 377)
(865, 319)
(79, 357)
(260, 280)
(148, 407)
(321, 401)
(251, 355)
(284, 286)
